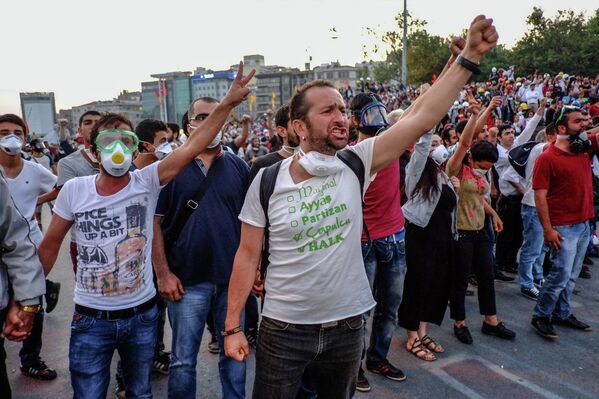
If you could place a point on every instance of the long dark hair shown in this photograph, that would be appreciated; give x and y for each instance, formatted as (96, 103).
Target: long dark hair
(427, 184)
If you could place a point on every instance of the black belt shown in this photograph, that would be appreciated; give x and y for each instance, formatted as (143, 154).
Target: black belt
(327, 325)
(113, 315)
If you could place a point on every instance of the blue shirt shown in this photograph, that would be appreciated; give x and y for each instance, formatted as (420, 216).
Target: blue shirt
(206, 247)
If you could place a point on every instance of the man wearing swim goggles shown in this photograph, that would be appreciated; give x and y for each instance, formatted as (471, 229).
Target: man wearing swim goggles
(114, 283)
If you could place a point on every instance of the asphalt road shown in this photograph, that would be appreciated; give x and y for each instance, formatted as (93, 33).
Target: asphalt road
(528, 367)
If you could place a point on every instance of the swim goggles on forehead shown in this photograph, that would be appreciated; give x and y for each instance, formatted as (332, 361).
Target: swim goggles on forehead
(374, 114)
(107, 140)
(566, 109)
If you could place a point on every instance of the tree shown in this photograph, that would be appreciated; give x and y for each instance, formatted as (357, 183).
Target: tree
(427, 53)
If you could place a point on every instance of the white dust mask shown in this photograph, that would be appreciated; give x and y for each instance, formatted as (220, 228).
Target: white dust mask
(163, 150)
(216, 141)
(116, 162)
(11, 144)
(318, 164)
(440, 155)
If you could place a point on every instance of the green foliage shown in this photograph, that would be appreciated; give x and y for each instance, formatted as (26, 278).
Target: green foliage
(567, 42)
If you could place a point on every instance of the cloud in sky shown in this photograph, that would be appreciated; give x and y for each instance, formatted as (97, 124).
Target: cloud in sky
(85, 51)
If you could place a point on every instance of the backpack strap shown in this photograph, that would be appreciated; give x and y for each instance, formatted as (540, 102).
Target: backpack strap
(353, 161)
(267, 187)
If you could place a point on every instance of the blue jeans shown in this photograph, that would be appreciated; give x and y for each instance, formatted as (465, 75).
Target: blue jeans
(385, 263)
(328, 356)
(554, 299)
(92, 345)
(188, 318)
(532, 252)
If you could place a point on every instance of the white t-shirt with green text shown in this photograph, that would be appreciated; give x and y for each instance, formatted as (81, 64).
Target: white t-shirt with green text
(316, 273)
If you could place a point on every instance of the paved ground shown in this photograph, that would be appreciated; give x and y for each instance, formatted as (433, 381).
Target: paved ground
(528, 367)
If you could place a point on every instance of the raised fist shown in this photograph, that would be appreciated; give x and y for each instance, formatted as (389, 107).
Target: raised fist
(482, 37)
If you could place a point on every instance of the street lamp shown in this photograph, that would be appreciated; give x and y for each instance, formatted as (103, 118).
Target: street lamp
(404, 52)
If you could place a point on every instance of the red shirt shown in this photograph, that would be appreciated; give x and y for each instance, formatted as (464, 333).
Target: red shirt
(382, 207)
(594, 110)
(568, 181)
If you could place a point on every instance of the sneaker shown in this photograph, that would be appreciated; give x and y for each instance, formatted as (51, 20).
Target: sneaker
(52, 292)
(213, 346)
(499, 331)
(573, 322)
(462, 334)
(530, 293)
(119, 387)
(544, 327)
(539, 283)
(39, 371)
(362, 384)
(469, 292)
(162, 362)
(585, 272)
(500, 276)
(387, 370)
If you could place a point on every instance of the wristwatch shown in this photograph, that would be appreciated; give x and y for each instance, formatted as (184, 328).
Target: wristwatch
(469, 65)
(30, 308)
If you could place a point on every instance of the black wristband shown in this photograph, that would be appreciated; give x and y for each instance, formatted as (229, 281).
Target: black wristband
(469, 65)
(235, 330)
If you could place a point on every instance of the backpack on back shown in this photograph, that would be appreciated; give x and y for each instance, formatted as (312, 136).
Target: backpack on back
(518, 157)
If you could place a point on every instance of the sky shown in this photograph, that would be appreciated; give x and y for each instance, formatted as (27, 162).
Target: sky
(85, 50)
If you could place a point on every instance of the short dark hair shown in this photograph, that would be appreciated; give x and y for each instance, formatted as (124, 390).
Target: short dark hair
(298, 109)
(108, 119)
(17, 120)
(173, 126)
(484, 151)
(502, 128)
(185, 120)
(460, 126)
(562, 115)
(86, 113)
(209, 100)
(550, 129)
(146, 131)
(282, 116)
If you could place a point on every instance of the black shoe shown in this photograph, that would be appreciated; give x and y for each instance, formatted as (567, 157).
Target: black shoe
(362, 385)
(462, 334)
(587, 261)
(544, 327)
(585, 272)
(500, 276)
(499, 331)
(530, 293)
(52, 292)
(39, 371)
(469, 293)
(119, 387)
(573, 322)
(214, 346)
(387, 370)
(162, 362)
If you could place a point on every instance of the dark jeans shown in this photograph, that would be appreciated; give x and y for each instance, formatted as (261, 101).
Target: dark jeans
(328, 356)
(4, 385)
(510, 239)
(473, 254)
(385, 263)
(161, 304)
(32, 346)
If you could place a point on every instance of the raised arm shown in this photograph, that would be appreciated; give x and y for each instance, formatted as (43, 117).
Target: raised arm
(245, 131)
(434, 104)
(531, 125)
(484, 116)
(202, 136)
(455, 162)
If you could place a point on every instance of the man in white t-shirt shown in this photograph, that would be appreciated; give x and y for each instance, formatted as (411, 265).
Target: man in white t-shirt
(26, 182)
(316, 287)
(112, 217)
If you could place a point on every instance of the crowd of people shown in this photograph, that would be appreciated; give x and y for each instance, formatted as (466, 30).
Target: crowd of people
(277, 235)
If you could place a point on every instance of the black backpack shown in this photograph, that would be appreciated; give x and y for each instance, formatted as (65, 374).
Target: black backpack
(267, 187)
(518, 157)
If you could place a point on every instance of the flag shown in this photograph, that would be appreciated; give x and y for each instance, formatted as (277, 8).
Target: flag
(273, 100)
(252, 101)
